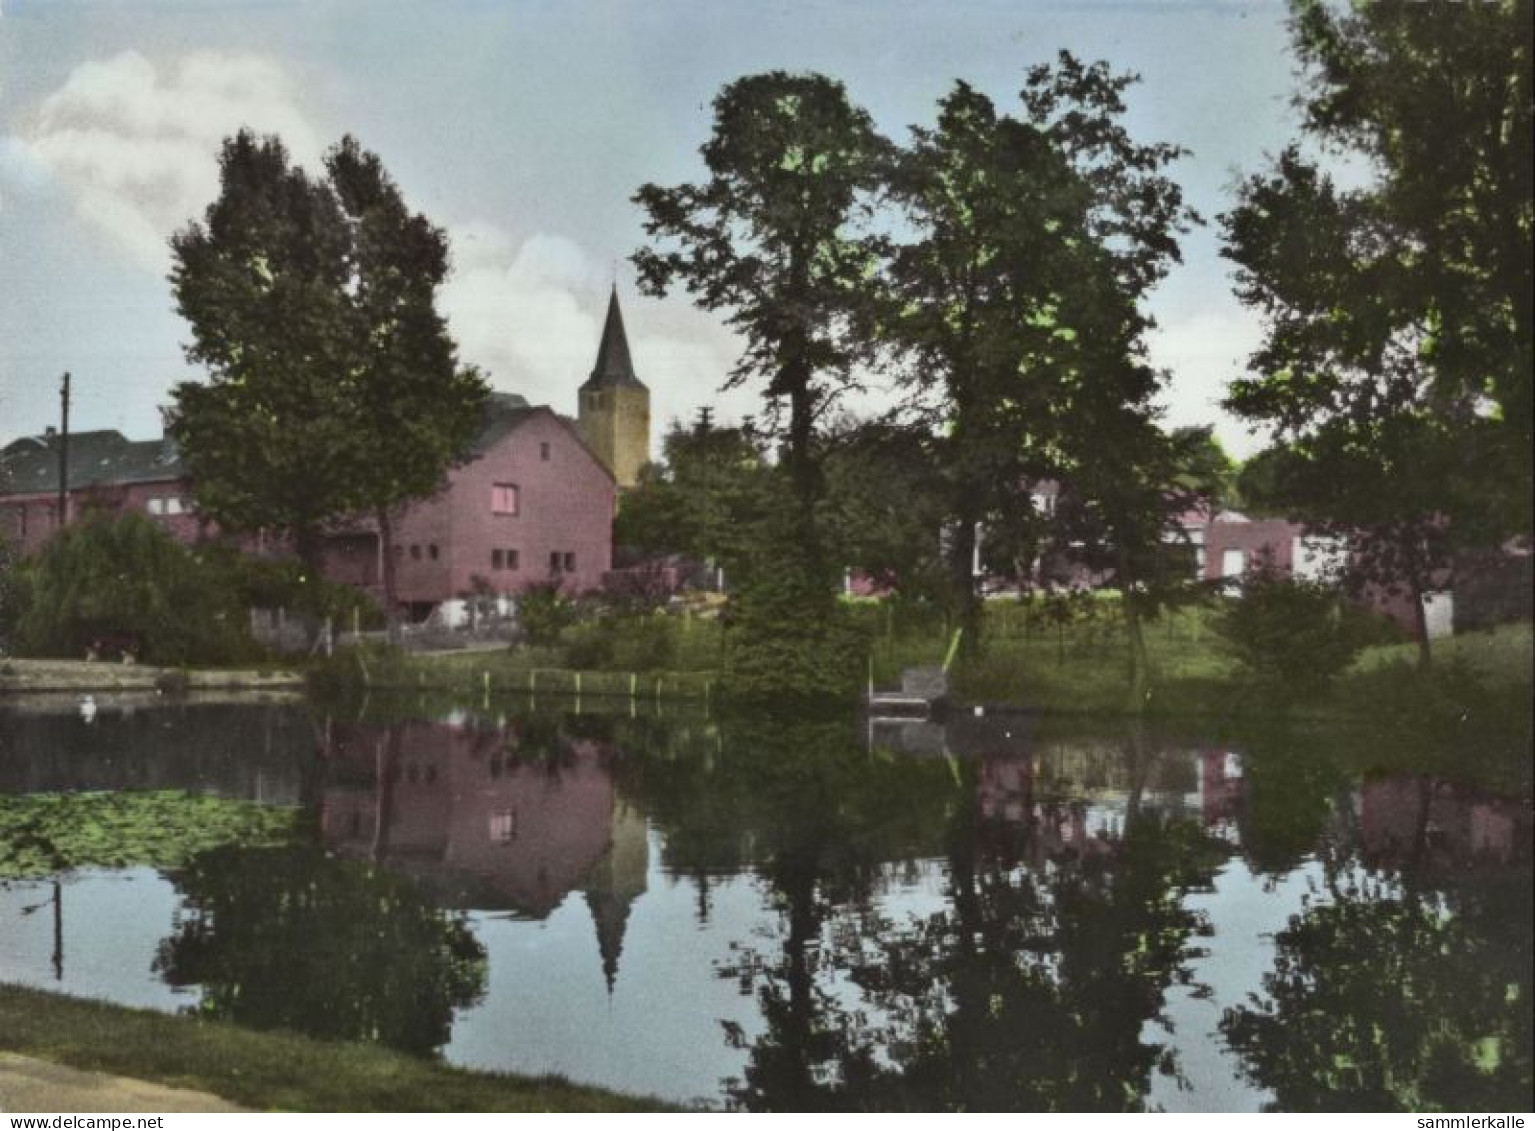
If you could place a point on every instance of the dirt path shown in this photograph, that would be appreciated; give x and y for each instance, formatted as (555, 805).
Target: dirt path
(40, 1086)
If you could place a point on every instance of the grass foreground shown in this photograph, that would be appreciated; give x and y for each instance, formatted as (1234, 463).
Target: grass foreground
(272, 1071)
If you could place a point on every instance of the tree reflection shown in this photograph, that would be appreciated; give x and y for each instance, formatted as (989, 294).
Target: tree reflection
(290, 938)
(1031, 989)
(1382, 1000)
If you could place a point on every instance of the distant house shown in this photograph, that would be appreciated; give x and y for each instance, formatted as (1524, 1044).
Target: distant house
(1229, 544)
(106, 471)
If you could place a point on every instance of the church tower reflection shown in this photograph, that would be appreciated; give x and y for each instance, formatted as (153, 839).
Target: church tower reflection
(507, 818)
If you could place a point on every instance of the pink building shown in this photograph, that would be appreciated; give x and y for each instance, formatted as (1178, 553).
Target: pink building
(532, 504)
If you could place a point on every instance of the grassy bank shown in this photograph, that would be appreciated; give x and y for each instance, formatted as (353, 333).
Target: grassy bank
(528, 672)
(271, 1071)
(23, 676)
(1027, 659)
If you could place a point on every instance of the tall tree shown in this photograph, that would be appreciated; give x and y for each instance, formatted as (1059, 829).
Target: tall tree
(1016, 302)
(1399, 311)
(774, 239)
(333, 386)
(417, 410)
(262, 282)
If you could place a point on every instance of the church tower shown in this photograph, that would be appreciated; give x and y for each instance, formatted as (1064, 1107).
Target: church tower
(614, 413)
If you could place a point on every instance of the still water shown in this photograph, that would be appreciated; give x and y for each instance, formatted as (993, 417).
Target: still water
(998, 912)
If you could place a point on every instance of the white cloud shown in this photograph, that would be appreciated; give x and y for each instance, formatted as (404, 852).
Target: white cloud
(1204, 351)
(136, 146)
(531, 314)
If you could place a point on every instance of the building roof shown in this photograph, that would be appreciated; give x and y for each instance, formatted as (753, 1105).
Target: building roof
(30, 465)
(503, 412)
(614, 366)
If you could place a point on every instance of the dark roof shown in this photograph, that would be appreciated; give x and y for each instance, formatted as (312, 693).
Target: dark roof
(30, 466)
(613, 364)
(503, 412)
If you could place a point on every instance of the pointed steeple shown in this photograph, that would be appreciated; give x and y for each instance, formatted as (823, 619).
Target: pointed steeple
(614, 366)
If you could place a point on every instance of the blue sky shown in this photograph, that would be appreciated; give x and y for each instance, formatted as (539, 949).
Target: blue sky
(524, 128)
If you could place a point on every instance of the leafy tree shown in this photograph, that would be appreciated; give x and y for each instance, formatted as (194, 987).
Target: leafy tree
(262, 282)
(701, 499)
(1289, 635)
(1397, 363)
(773, 238)
(105, 577)
(1016, 300)
(1119, 516)
(10, 589)
(883, 510)
(417, 410)
(1405, 492)
(332, 387)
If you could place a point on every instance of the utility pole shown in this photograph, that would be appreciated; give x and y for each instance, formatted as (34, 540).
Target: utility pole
(63, 452)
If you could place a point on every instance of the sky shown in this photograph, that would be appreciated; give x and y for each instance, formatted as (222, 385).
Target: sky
(523, 128)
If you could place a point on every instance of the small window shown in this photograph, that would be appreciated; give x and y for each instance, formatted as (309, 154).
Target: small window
(554, 561)
(156, 506)
(511, 559)
(497, 560)
(503, 498)
(431, 551)
(543, 451)
(399, 550)
(173, 505)
(570, 562)
(415, 551)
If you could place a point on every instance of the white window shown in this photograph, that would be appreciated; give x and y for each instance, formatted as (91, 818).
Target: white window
(503, 498)
(1233, 563)
(173, 505)
(157, 506)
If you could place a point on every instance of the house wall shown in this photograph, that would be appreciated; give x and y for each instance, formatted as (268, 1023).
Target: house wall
(565, 506)
(1271, 540)
(28, 520)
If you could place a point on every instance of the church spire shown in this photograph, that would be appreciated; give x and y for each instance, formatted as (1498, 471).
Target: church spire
(614, 366)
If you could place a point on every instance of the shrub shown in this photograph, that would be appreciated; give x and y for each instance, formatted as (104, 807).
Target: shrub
(789, 638)
(281, 583)
(642, 643)
(1290, 636)
(544, 613)
(126, 579)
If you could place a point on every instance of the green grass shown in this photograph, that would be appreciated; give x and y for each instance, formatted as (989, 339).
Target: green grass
(1026, 660)
(1499, 657)
(272, 1071)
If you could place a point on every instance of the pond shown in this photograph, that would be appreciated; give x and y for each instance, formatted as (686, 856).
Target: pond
(996, 912)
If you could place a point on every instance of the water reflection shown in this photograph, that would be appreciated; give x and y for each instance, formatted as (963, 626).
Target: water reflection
(1001, 912)
(497, 816)
(289, 938)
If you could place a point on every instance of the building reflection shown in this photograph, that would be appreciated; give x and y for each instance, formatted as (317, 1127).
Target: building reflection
(510, 817)
(1073, 796)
